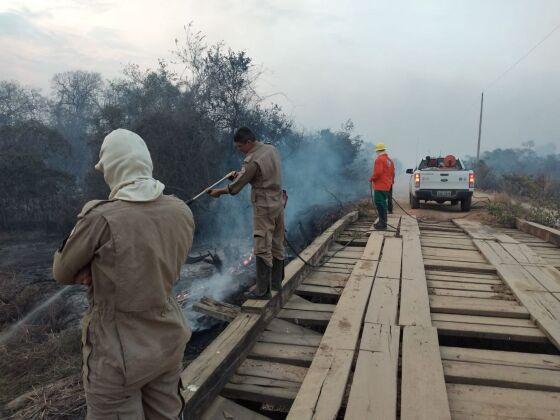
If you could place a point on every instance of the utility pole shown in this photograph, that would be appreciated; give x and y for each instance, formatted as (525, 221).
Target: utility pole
(479, 129)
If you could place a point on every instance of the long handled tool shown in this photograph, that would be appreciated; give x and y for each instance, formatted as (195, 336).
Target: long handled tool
(205, 190)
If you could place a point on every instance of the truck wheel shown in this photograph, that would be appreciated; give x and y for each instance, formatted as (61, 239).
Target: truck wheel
(414, 202)
(466, 204)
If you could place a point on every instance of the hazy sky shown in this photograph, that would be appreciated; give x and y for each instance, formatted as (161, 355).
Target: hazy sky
(406, 72)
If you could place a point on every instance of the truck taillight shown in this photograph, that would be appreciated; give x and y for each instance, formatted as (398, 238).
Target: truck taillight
(417, 180)
(471, 180)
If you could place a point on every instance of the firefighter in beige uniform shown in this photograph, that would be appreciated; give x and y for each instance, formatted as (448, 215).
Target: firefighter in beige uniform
(261, 169)
(129, 251)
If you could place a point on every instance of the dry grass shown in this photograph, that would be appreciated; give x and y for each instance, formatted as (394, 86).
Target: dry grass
(63, 399)
(37, 357)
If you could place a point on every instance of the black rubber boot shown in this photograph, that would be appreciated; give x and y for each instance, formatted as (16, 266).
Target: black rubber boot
(382, 223)
(277, 274)
(262, 288)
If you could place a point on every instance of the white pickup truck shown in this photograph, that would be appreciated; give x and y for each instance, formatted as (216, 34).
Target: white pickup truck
(441, 179)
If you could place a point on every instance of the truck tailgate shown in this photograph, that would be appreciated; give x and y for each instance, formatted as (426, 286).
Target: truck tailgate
(444, 180)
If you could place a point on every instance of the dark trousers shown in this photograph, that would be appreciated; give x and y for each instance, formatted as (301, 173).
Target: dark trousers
(390, 201)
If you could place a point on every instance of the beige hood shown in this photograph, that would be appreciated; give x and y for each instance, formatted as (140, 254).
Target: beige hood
(127, 167)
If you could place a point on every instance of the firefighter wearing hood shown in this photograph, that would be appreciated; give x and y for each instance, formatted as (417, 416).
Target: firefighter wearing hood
(129, 251)
(261, 169)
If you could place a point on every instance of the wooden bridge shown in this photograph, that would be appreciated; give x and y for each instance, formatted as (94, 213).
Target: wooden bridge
(446, 320)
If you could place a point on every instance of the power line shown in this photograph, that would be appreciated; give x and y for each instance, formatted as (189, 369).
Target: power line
(523, 57)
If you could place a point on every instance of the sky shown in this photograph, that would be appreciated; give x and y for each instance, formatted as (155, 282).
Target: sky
(408, 73)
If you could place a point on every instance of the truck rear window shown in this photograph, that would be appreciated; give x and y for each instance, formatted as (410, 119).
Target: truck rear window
(434, 164)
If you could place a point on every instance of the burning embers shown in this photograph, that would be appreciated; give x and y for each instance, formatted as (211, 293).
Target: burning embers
(203, 279)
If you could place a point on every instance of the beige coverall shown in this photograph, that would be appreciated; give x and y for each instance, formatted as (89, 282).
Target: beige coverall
(261, 169)
(134, 333)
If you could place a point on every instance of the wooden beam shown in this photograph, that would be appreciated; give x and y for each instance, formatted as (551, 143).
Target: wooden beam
(423, 392)
(374, 386)
(216, 309)
(414, 305)
(222, 408)
(474, 306)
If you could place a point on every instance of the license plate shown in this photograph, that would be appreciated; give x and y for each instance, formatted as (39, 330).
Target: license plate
(444, 193)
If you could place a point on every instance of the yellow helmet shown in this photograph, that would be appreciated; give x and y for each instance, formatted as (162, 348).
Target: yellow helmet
(380, 147)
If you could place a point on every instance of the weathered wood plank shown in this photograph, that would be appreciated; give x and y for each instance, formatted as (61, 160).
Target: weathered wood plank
(283, 353)
(319, 291)
(499, 375)
(468, 286)
(221, 407)
(415, 304)
(423, 392)
(286, 327)
(374, 386)
(485, 402)
(294, 339)
(384, 301)
(495, 332)
(305, 317)
(390, 264)
(473, 306)
(470, 294)
(431, 264)
(504, 358)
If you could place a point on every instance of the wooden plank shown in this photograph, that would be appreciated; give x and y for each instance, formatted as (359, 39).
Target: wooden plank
(286, 327)
(431, 264)
(415, 304)
(546, 276)
(326, 279)
(374, 386)
(496, 332)
(283, 353)
(308, 306)
(305, 317)
(272, 370)
(457, 255)
(458, 285)
(390, 264)
(499, 375)
(263, 390)
(216, 309)
(466, 280)
(487, 276)
(470, 294)
(319, 291)
(384, 301)
(294, 339)
(222, 409)
(485, 402)
(472, 306)
(423, 392)
(504, 358)
(322, 391)
(487, 320)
